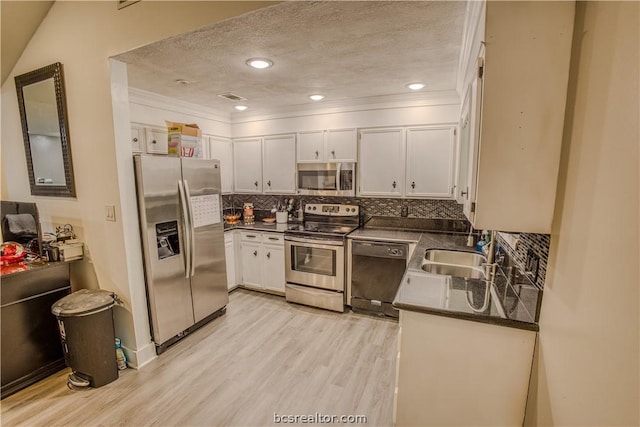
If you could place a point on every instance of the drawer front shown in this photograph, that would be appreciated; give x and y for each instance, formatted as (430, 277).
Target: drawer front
(251, 236)
(273, 238)
(315, 297)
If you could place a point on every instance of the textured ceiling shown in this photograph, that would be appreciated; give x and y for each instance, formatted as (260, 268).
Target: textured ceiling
(342, 49)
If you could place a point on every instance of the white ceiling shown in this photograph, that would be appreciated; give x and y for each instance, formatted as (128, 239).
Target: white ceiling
(342, 49)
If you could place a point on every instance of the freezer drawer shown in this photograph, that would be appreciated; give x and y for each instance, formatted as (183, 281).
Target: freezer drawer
(315, 297)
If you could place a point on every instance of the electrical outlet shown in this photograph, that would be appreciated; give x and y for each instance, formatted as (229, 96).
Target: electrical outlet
(532, 265)
(110, 213)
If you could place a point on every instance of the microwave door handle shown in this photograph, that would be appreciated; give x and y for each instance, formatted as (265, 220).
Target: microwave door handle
(191, 229)
(186, 227)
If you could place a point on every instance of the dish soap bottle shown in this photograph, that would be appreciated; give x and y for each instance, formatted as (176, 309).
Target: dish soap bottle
(120, 357)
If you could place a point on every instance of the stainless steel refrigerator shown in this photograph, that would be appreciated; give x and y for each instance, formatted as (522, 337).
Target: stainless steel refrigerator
(179, 206)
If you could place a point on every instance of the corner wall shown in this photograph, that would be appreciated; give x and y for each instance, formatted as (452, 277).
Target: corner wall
(83, 35)
(586, 367)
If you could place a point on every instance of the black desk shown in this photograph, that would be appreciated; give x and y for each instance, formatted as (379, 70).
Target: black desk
(30, 344)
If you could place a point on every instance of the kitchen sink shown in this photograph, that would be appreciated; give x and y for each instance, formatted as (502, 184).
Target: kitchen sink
(458, 258)
(454, 270)
(468, 265)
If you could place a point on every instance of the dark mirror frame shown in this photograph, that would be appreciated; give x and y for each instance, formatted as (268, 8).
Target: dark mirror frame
(44, 73)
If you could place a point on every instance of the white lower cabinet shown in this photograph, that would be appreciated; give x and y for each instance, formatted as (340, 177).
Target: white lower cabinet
(230, 259)
(458, 372)
(263, 260)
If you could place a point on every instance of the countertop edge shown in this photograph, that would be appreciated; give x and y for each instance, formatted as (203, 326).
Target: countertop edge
(435, 241)
(498, 321)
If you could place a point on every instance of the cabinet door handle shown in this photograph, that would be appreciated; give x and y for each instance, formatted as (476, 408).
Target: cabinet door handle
(135, 139)
(255, 183)
(413, 184)
(317, 154)
(333, 153)
(251, 236)
(464, 193)
(269, 183)
(394, 184)
(153, 142)
(255, 253)
(268, 254)
(275, 239)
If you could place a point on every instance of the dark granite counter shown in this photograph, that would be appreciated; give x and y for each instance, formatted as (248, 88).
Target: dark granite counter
(385, 235)
(261, 226)
(509, 300)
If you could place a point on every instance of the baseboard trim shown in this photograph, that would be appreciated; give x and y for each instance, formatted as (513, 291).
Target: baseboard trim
(136, 359)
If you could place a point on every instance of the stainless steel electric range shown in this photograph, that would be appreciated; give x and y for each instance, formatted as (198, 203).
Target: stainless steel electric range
(315, 255)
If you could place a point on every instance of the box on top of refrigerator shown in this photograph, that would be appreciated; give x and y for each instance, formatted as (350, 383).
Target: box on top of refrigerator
(185, 139)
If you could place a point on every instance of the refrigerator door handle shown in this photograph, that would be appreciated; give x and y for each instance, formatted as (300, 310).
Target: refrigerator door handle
(187, 233)
(192, 249)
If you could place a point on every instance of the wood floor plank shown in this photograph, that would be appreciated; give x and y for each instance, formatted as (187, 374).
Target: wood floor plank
(264, 356)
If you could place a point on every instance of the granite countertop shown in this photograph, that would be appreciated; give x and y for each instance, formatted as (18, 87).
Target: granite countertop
(260, 226)
(385, 235)
(511, 301)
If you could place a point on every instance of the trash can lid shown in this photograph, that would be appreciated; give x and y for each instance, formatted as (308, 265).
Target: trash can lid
(82, 302)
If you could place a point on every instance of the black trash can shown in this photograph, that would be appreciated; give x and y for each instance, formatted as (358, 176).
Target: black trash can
(85, 323)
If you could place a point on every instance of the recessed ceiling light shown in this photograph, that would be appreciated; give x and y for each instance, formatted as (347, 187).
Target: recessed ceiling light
(316, 97)
(415, 86)
(240, 107)
(259, 63)
(182, 82)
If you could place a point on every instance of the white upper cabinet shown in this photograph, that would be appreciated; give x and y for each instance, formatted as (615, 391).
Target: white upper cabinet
(381, 162)
(341, 145)
(430, 162)
(137, 139)
(335, 145)
(157, 141)
(222, 149)
(522, 90)
(279, 164)
(311, 146)
(247, 165)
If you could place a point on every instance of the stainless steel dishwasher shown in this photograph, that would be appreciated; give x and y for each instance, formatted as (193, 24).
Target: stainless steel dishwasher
(376, 269)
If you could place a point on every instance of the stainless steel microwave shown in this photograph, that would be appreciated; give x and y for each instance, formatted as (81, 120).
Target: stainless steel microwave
(326, 179)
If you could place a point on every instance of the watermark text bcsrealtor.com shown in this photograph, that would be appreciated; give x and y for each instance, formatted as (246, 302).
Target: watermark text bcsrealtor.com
(318, 418)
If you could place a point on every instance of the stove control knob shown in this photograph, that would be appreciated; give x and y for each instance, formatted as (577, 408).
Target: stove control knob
(314, 208)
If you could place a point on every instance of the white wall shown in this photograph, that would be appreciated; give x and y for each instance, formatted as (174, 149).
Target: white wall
(83, 35)
(586, 368)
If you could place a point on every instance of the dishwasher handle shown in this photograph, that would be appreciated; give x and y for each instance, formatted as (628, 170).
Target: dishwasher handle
(380, 249)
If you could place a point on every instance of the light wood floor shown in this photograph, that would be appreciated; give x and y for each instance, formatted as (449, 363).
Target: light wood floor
(264, 356)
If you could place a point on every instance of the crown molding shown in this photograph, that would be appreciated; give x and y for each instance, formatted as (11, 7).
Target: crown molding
(421, 99)
(154, 100)
(473, 16)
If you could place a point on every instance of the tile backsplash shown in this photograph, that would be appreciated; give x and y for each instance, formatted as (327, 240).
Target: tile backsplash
(538, 244)
(422, 208)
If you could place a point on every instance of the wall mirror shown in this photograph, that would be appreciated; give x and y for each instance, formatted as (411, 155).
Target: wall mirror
(43, 112)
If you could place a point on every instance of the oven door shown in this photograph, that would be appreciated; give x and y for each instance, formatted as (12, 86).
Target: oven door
(315, 263)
